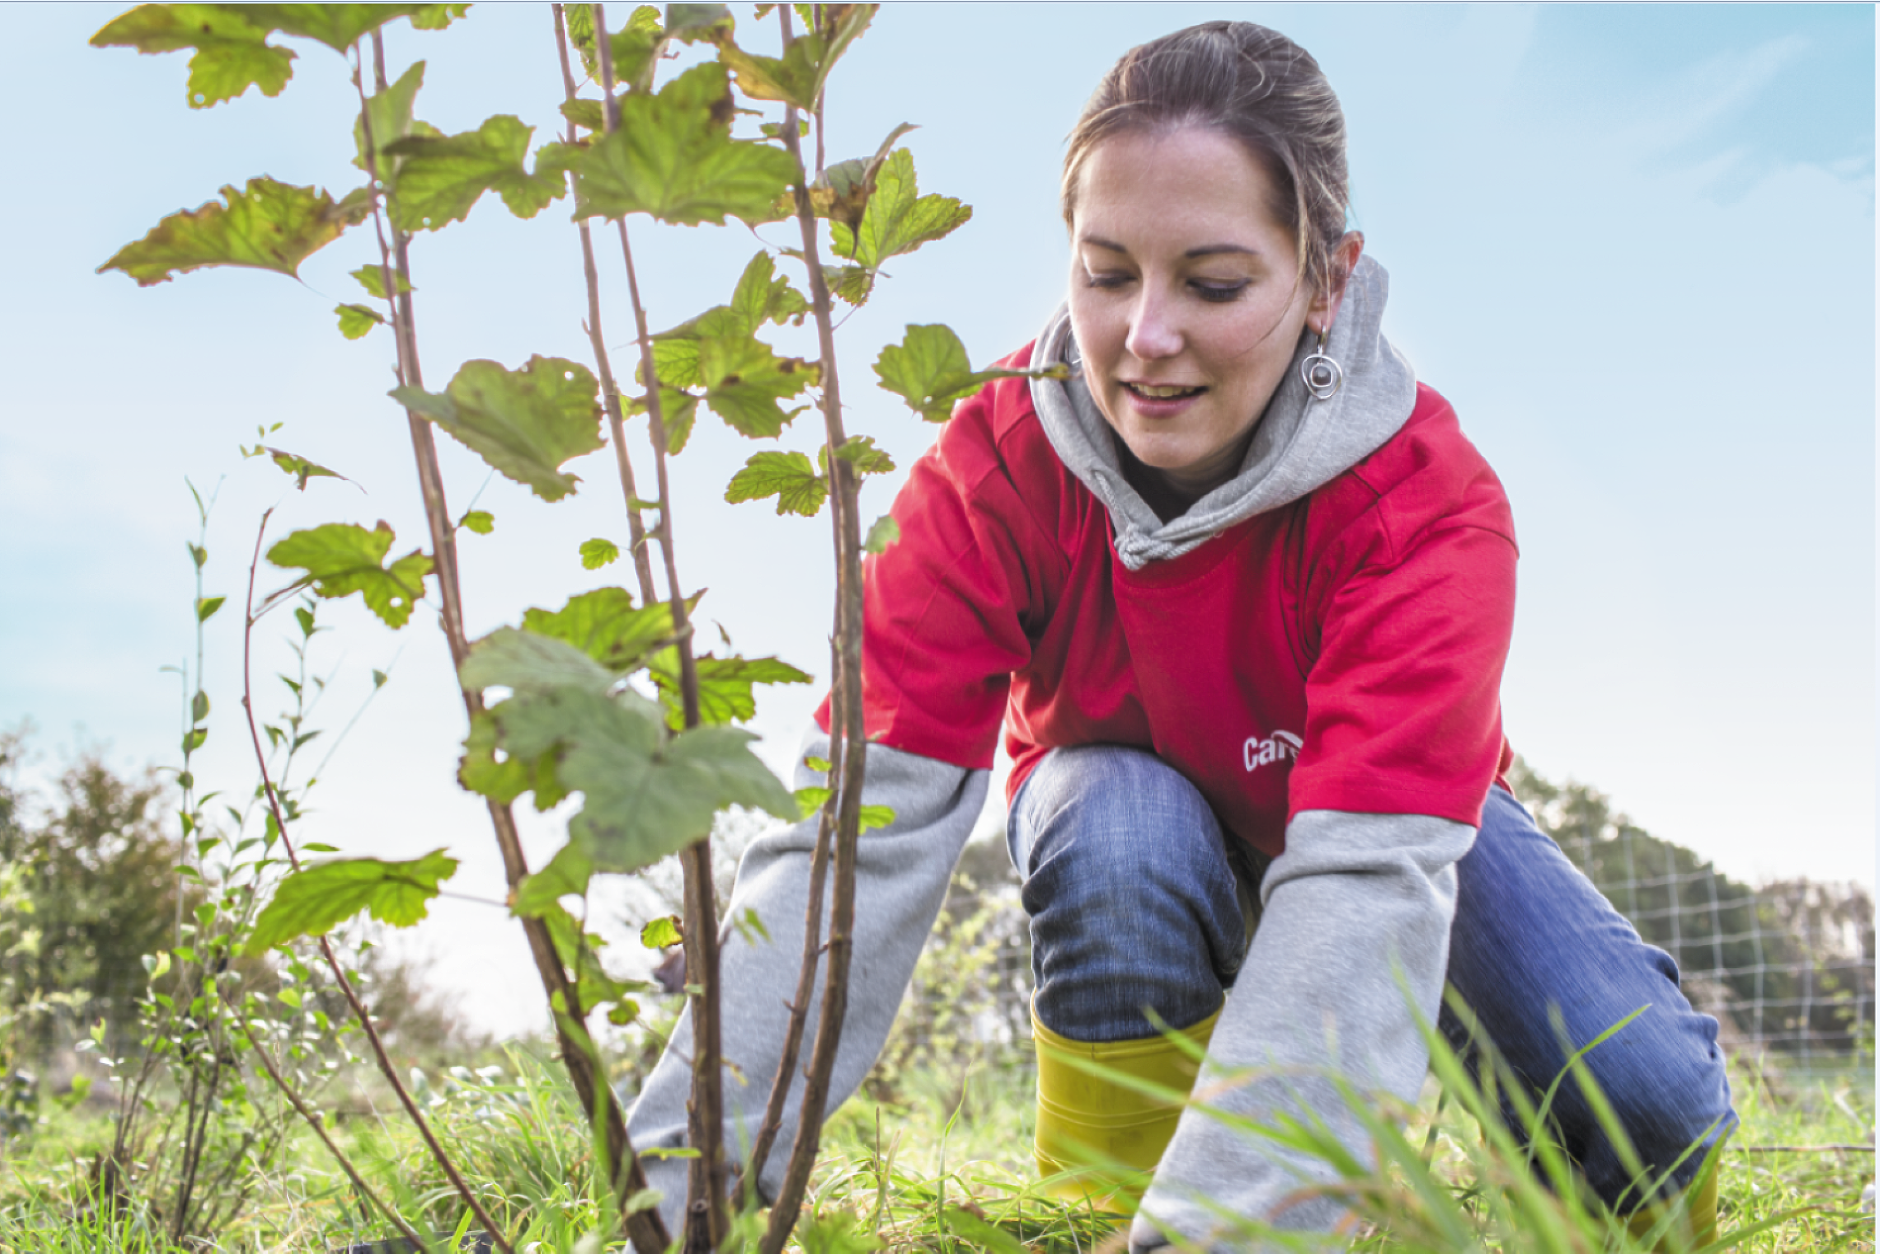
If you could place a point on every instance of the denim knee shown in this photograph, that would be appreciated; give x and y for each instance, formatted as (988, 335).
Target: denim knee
(1548, 965)
(1130, 892)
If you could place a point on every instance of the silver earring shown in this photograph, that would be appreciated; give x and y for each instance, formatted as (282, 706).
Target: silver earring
(1321, 375)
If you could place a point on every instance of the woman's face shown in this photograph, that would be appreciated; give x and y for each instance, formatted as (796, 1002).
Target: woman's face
(1185, 298)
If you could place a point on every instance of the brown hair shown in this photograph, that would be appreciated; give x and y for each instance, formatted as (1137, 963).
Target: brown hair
(1247, 82)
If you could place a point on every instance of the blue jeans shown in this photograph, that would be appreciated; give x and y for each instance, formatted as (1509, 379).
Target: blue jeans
(1131, 888)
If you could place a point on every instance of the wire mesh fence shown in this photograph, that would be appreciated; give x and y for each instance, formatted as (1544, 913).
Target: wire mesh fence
(1787, 967)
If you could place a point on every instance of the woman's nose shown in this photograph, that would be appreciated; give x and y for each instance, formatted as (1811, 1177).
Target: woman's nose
(1153, 331)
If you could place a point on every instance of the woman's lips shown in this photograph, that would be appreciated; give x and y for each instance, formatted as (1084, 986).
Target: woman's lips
(1161, 400)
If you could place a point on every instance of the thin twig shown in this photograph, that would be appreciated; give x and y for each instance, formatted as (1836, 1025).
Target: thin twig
(848, 743)
(1799, 1149)
(647, 1232)
(706, 1221)
(359, 1010)
(610, 395)
(318, 1125)
(799, 1010)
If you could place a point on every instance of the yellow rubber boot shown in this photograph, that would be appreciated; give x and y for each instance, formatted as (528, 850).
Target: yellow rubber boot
(1700, 1203)
(1110, 1134)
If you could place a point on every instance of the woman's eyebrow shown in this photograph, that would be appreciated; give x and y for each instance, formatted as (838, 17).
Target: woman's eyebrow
(1205, 250)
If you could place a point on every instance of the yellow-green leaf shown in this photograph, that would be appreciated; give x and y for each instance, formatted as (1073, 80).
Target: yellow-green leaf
(930, 371)
(356, 320)
(342, 558)
(598, 552)
(314, 900)
(267, 225)
(605, 625)
(787, 476)
(525, 423)
(439, 179)
(673, 157)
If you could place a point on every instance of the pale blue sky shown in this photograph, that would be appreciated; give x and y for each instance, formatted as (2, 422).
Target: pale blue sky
(1634, 246)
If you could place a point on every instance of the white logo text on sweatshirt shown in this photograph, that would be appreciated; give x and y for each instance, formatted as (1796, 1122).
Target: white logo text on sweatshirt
(1281, 746)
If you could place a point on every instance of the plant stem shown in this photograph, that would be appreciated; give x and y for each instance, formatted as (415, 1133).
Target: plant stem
(799, 1009)
(705, 1203)
(848, 744)
(647, 1231)
(318, 1125)
(610, 395)
(346, 989)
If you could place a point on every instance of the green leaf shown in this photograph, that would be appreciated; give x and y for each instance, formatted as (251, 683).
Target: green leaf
(206, 607)
(930, 371)
(724, 685)
(696, 21)
(269, 226)
(525, 661)
(199, 706)
(588, 114)
(372, 278)
(811, 799)
(678, 409)
(300, 468)
(662, 933)
(886, 531)
(874, 816)
(525, 422)
(480, 521)
(636, 48)
(860, 452)
(597, 553)
(356, 320)
(481, 772)
(315, 899)
(439, 179)
(437, 16)
(390, 112)
(898, 220)
(566, 875)
(232, 52)
(342, 558)
(799, 75)
(338, 26)
(762, 296)
(644, 795)
(845, 188)
(626, 44)
(787, 476)
(198, 555)
(604, 625)
(673, 157)
(744, 381)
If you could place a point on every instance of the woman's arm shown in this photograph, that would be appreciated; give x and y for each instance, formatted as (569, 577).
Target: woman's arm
(1355, 932)
(902, 872)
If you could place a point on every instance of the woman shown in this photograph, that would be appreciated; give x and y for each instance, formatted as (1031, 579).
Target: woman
(1240, 592)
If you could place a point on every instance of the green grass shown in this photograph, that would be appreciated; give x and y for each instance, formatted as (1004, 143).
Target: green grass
(945, 1166)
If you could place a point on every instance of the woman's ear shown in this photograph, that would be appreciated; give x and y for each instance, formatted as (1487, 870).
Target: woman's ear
(1324, 309)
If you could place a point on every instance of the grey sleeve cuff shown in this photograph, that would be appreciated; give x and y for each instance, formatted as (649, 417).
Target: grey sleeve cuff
(901, 880)
(1356, 904)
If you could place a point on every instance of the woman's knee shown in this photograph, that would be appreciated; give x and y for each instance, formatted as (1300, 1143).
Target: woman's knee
(1130, 892)
(1668, 1089)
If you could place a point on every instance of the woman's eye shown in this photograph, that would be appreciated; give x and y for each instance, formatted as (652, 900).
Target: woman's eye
(1106, 279)
(1220, 292)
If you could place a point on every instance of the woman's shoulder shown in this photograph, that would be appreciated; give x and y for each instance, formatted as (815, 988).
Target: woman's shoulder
(996, 431)
(1427, 475)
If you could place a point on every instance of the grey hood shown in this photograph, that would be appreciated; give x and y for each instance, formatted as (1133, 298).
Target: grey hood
(1300, 444)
